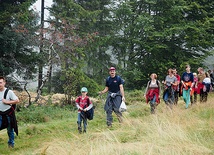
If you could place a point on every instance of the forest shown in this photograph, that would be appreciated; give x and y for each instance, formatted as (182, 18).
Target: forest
(83, 38)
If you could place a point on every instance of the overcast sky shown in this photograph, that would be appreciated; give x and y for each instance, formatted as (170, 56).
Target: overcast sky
(37, 6)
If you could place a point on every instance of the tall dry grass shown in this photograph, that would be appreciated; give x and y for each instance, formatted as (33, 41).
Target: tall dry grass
(169, 132)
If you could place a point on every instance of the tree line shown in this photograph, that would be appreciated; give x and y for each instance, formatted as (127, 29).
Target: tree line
(85, 37)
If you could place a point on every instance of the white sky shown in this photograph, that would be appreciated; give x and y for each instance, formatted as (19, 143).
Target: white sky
(37, 7)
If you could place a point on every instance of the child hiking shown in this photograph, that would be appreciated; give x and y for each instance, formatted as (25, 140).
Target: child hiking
(83, 105)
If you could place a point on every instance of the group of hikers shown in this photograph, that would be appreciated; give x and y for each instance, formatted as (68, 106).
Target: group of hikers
(189, 85)
(114, 87)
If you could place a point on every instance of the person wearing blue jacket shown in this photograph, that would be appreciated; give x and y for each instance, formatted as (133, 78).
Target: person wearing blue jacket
(187, 81)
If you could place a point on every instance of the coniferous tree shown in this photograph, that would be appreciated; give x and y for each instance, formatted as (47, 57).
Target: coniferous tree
(164, 34)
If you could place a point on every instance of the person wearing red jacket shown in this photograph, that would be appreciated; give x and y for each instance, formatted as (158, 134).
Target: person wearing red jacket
(152, 92)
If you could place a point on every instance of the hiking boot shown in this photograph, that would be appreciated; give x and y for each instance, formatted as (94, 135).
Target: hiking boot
(109, 126)
(84, 131)
(153, 109)
(10, 146)
(80, 129)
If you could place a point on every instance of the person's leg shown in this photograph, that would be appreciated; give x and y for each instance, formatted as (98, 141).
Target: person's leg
(201, 95)
(109, 118)
(187, 98)
(191, 100)
(79, 121)
(165, 98)
(153, 105)
(85, 124)
(119, 116)
(205, 96)
(10, 132)
(176, 97)
(172, 98)
(195, 97)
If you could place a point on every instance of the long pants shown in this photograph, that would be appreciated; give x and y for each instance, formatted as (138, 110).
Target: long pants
(169, 97)
(203, 96)
(193, 98)
(186, 97)
(81, 119)
(109, 117)
(153, 104)
(10, 131)
(176, 94)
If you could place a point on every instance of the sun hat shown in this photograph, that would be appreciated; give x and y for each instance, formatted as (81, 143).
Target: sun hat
(84, 89)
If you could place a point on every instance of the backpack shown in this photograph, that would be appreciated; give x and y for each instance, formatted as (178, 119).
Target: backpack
(90, 113)
(118, 77)
(207, 87)
(11, 113)
(157, 82)
(13, 107)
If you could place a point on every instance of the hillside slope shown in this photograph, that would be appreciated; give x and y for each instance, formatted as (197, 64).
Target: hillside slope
(178, 131)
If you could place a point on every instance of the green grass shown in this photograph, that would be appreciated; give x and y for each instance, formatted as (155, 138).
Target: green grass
(50, 130)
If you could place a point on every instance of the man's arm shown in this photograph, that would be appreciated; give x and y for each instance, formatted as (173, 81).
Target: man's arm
(10, 101)
(122, 92)
(104, 91)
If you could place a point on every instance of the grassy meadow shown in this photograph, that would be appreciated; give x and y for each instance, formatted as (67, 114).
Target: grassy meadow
(50, 130)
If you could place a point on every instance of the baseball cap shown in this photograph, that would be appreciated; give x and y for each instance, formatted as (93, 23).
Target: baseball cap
(84, 89)
(112, 68)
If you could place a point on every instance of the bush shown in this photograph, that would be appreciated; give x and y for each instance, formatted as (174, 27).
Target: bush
(40, 114)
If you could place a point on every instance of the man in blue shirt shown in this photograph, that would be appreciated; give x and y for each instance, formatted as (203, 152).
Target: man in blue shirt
(187, 81)
(114, 87)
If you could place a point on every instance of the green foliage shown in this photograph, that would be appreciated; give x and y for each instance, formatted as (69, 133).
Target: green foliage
(87, 37)
(71, 81)
(158, 35)
(134, 96)
(17, 32)
(75, 80)
(42, 114)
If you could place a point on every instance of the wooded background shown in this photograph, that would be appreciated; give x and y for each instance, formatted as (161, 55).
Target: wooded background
(85, 37)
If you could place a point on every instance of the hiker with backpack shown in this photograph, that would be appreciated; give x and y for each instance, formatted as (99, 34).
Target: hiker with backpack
(212, 78)
(8, 100)
(207, 86)
(187, 81)
(168, 94)
(85, 109)
(152, 92)
(114, 87)
(193, 95)
(200, 85)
